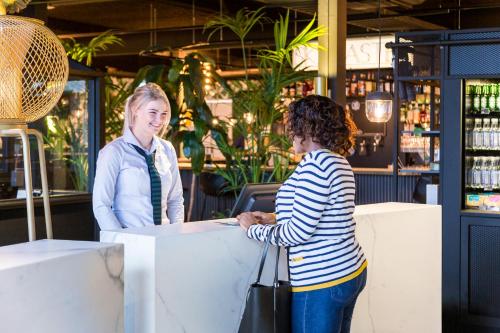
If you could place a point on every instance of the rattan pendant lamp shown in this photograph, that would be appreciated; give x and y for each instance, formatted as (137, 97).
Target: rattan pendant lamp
(33, 73)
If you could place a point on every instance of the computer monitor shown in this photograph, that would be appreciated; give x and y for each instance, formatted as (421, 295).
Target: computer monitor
(256, 197)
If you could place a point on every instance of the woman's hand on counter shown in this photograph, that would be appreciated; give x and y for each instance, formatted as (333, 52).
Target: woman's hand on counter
(246, 220)
(264, 218)
(249, 218)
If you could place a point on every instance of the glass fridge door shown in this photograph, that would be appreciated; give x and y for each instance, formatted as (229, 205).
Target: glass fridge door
(481, 144)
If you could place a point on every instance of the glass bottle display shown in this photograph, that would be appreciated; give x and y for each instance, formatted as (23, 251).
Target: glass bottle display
(481, 142)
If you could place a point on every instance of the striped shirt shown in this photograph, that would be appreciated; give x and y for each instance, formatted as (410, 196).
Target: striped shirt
(314, 210)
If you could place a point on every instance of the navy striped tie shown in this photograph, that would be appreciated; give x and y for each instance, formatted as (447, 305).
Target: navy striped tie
(155, 180)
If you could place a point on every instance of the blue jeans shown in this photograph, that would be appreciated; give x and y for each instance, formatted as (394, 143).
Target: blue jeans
(327, 310)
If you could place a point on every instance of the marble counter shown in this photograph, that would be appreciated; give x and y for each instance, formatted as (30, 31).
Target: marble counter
(402, 243)
(190, 277)
(61, 286)
(193, 277)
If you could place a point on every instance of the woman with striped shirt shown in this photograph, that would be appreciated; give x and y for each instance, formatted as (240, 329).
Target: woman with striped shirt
(314, 220)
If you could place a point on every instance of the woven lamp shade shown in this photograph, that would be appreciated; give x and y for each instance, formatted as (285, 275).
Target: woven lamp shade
(33, 70)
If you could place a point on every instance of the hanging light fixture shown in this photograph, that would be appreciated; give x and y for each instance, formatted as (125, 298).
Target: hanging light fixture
(378, 103)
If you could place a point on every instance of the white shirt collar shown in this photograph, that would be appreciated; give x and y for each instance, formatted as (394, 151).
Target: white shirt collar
(129, 137)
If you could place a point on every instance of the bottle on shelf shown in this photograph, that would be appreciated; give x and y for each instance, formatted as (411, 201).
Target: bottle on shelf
(354, 85)
(485, 98)
(486, 130)
(477, 135)
(469, 95)
(362, 85)
(492, 98)
(348, 87)
(495, 134)
(469, 126)
(476, 172)
(476, 99)
(497, 98)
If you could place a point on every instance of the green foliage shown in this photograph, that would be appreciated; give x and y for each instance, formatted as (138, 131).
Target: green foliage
(257, 109)
(80, 52)
(241, 24)
(67, 140)
(116, 92)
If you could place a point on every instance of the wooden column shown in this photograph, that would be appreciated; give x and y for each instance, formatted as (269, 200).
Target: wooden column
(333, 15)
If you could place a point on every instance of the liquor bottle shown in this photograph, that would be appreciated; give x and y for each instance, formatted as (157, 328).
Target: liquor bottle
(468, 99)
(361, 85)
(388, 84)
(422, 115)
(370, 83)
(402, 114)
(492, 98)
(485, 94)
(354, 85)
(348, 87)
(476, 99)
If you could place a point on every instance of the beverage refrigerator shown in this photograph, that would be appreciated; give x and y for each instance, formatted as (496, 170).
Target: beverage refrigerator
(469, 171)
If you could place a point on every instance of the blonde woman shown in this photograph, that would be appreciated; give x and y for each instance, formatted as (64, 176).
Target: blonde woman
(137, 179)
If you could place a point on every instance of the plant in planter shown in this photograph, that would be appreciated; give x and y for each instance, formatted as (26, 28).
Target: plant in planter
(257, 110)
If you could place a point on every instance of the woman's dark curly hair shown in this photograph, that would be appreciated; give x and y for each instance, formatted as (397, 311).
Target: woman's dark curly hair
(325, 121)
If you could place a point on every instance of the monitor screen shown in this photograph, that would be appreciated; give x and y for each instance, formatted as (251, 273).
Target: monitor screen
(256, 197)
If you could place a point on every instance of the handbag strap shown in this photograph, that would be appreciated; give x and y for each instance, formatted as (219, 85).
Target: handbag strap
(276, 283)
(264, 255)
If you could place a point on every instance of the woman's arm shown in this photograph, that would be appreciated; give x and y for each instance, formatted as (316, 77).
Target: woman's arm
(108, 168)
(175, 199)
(311, 196)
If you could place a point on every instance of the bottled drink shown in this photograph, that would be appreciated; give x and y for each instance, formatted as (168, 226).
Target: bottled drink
(495, 172)
(497, 98)
(486, 133)
(469, 163)
(468, 99)
(348, 87)
(486, 174)
(477, 134)
(485, 95)
(494, 134)
(476, 100)
(362, 85)
(492, 98)
(469, 126)
(476, 172)
(354, 85)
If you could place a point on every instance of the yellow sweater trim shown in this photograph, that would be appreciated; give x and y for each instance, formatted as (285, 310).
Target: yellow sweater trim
(332, 283)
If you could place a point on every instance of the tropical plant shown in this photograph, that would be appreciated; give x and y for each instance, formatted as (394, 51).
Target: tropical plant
(81, 52)
(116, 91)
(257, 106)
(67, 141)
(241, 24)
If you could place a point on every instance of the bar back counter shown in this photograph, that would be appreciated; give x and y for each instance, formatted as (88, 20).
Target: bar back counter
(193, 277)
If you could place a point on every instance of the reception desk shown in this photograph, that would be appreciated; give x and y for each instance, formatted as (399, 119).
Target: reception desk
(61, 286)
(190, 277)
(193, 277)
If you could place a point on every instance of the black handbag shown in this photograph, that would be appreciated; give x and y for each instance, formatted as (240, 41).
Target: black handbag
(267, 308)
